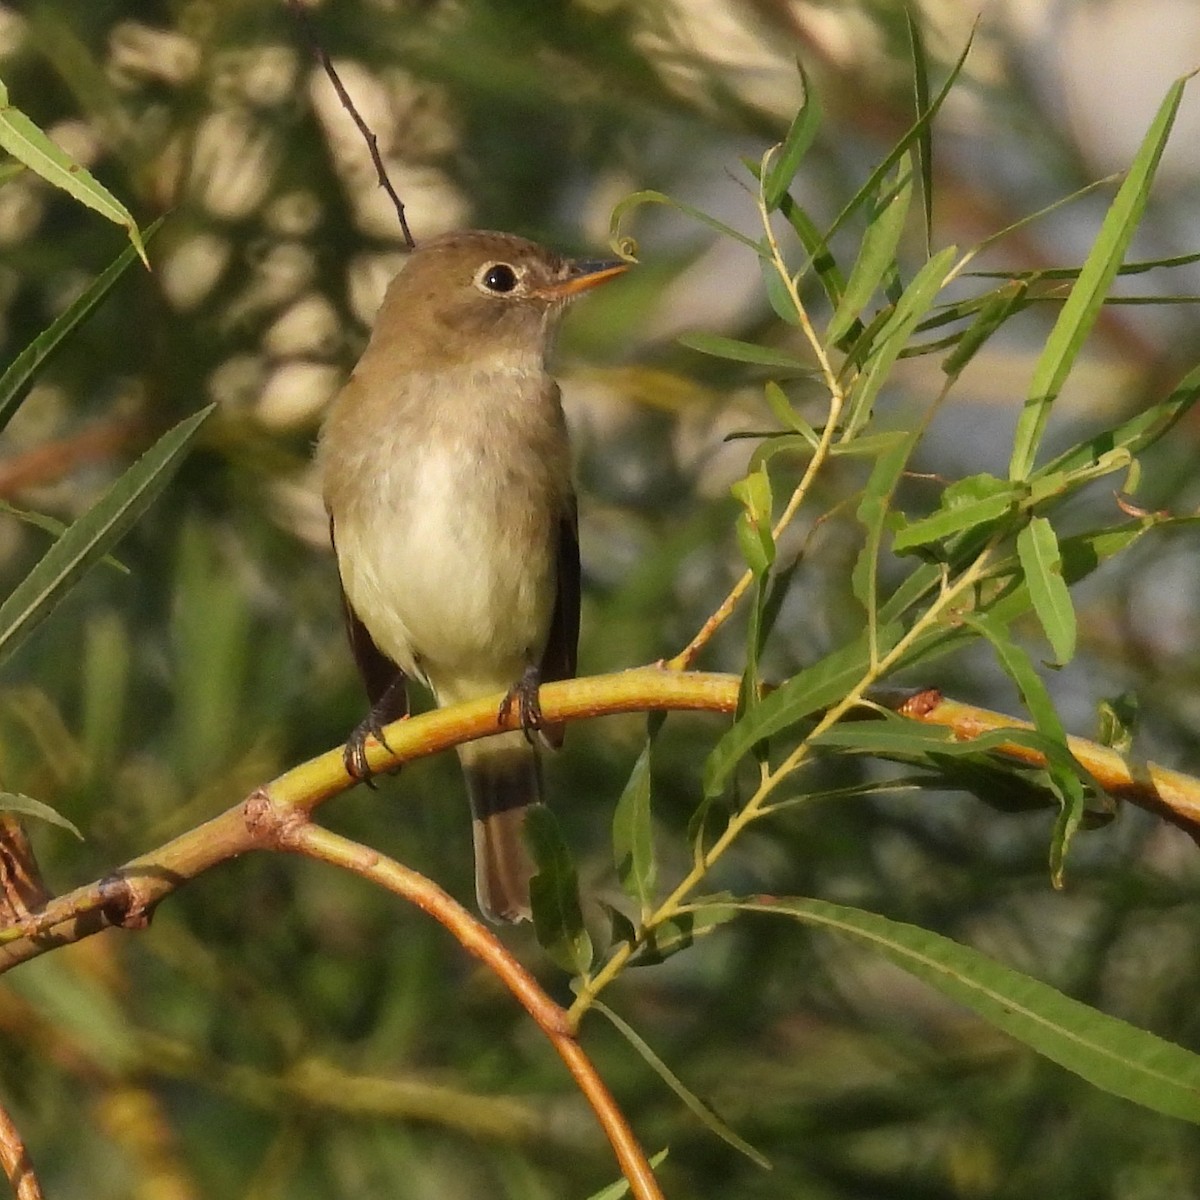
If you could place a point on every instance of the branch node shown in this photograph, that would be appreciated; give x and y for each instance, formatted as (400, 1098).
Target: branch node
(121, 904)
(273, 826)
(920, 704)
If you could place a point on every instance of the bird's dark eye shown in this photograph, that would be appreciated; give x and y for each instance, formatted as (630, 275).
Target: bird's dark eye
(499, 278)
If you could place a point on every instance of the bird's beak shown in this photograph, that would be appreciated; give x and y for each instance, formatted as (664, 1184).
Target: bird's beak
(584, 274)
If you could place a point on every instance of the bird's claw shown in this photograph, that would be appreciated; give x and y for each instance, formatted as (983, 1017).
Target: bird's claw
(524, 694)
(354, 756)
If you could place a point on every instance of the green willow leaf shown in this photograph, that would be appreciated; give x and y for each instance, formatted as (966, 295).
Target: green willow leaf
(873, 511)
(691, 1101)
(1081, 554)
(91, 537)
(911, 135)
(1109, 1053)
(794, 146)
(786, 414)
(554, 895)
(893, 337)
(1135, 435)
(806, 693)
(23, 368)
(820, 257)
(633, 835)
(682, 931)
(1037, 548)
(999, 306)
(877, 253)
(1066, 773)
(924, 142)
(956, 514)
(27, 806)
(1087, 296)
(27, 143)
(54, 527)
(749, 352)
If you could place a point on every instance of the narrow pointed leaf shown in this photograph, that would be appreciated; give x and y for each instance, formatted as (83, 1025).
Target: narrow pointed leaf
(1109, 1053)
(1065, 772)
(998, 307)
(786, 414)
(1037, 548)
(691, 1101)
(820, 257)
(633, 835)
(806, 693)
(877, 254)
(910, 137)
(749, 352)
(795, 145)
(957, 514)
(21, 371)
(1134, 435)
(91, 537)
(554, 895)
(27, 143)
(893, 336)
(54, 527)
(924, 142)
(620, 1188)
(629, 203)
(873, 512)
(1083, 305)
(27, 806)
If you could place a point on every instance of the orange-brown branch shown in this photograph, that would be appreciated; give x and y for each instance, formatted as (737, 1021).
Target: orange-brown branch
(313, 841)
(127, 896)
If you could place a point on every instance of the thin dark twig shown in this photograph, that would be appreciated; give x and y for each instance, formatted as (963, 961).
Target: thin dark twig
(319, 53)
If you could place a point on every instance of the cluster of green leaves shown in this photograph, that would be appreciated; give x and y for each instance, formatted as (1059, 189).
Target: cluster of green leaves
(988, 556)
(89, 539)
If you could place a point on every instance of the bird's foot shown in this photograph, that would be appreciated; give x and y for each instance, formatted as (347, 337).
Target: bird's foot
(391, 706)
(524, 694)
(354, 755)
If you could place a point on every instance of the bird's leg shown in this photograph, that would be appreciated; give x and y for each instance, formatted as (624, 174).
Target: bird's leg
(524, 693)
(391, 706)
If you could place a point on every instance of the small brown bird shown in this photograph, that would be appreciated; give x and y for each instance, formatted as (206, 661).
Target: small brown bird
(446, 473)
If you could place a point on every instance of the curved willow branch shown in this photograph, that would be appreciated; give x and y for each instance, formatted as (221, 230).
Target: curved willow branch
(313, 841)
(127, 896)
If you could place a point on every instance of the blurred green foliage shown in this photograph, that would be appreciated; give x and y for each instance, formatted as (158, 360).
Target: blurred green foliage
(282, 1030)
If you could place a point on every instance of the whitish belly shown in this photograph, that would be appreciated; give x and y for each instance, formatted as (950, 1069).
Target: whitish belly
(456, 583)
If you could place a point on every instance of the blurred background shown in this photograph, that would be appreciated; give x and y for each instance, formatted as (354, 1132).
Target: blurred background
(284, 1031)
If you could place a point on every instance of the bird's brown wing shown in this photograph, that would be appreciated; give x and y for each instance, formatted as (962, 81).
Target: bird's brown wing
(381, 677)
(562, 646)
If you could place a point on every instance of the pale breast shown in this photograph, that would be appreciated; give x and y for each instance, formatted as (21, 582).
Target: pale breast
(449, 557)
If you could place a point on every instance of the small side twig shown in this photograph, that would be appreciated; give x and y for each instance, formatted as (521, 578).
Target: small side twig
(15, 1160)
(314, 841)
(326, 64)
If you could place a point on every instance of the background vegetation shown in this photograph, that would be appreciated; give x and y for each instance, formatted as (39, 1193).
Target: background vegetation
(285, 1030)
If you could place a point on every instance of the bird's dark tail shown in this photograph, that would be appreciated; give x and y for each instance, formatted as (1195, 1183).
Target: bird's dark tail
(503, 780)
